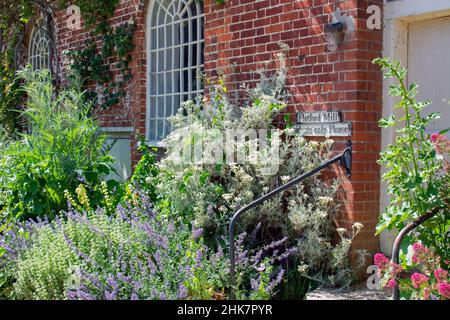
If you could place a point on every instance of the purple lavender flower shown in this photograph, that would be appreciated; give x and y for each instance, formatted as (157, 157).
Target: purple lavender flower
(151, 265)
(241, 257)
(110, 295)
(275, 281)
(134, 296)
(198, 258)
(112, 283)
(276, 244)
(219, 252)
(182, 292)
(157, 257)
(197, 233)
(254, 283)
(261, 267)
(80, 294)
(287, 254)
(162, 242)
(257, 258)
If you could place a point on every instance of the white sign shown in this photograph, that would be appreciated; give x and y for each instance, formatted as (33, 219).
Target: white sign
(321, 124)
(339, 129)
(320, 116)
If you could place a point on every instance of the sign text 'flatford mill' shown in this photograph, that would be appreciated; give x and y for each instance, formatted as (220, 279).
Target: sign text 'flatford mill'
(322, 124)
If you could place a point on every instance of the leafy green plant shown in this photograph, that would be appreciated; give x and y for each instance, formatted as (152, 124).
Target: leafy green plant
(208, 193)
(146, 170)
(133, 253)
(417, 166)
(63, 149)
(14, 16)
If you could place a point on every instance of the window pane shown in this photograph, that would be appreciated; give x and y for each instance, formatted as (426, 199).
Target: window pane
(39, 50)
(176, 59)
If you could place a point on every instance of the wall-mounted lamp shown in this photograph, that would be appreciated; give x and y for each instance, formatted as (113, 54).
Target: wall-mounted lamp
(332, 32)
(334, 27)
(341, 23)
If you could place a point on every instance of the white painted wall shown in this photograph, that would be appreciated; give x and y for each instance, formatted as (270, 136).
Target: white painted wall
(417, 34)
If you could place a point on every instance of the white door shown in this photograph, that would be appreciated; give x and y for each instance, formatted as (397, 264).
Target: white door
(429, 66)
(417, 33)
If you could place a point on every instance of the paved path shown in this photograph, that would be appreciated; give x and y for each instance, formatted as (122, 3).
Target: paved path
(357, 292)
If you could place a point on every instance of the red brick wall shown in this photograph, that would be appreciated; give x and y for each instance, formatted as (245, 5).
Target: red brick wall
(245, 33)
(131, 111)
(241, 35)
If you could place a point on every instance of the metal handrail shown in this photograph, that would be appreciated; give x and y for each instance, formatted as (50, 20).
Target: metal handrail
(398, 241)
(345, 158)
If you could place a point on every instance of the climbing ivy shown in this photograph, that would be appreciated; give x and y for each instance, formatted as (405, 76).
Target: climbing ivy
(95, 13)
(14, 16)
(105, 45)
(91, 64)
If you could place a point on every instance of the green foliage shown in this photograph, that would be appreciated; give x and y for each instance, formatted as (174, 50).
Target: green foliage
(91, 64)
(14, 15)
(105, 46)
(146, 170)
(208, 193)
(131, 254)
(417, 169)
(63, 149)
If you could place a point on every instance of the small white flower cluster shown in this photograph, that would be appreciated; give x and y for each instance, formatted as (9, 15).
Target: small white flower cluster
(213, 191)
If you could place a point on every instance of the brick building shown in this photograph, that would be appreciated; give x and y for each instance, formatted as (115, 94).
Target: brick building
(177, 39)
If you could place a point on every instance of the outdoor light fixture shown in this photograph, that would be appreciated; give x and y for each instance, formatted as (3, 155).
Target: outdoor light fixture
(332, 33)
(345, 159)
(340, 24)
(334, 27)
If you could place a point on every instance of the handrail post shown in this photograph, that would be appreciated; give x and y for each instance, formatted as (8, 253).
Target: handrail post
(345, 158)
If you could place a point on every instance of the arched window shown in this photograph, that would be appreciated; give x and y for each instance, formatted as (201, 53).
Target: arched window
(39, 49)
(175, 53)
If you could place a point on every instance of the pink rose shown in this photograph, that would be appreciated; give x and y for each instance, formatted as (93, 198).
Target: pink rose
(440, 274)
(396, 268)
(426, 293)
(420, 253)
(418, 279)
(391, 283)
(381, 261)
(444, 289)
(418, 247)
(441, 143)
(434, 137)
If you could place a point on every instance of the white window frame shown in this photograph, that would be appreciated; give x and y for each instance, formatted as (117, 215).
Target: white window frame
(173, 54)
(39, 50)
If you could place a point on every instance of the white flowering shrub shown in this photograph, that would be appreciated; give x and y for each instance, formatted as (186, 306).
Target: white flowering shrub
(205, 185)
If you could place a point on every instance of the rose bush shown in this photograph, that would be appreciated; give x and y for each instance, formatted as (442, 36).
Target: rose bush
(420, 276)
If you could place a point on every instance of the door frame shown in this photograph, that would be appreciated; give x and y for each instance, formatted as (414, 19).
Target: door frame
(398, 15)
